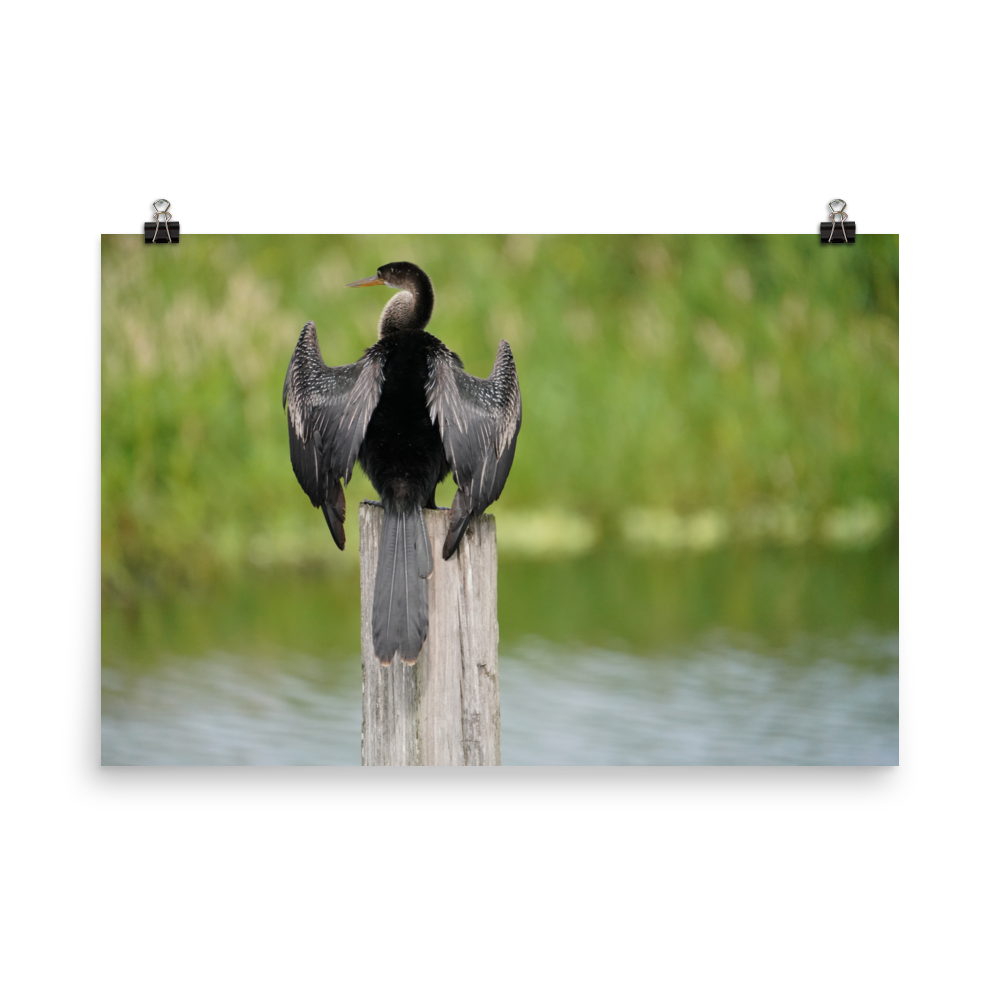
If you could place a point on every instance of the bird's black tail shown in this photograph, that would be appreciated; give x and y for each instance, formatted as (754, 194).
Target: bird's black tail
(399, 608)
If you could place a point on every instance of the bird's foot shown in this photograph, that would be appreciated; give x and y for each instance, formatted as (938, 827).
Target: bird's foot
(372, 503)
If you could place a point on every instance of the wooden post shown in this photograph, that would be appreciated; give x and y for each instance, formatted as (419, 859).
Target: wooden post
(446, 708)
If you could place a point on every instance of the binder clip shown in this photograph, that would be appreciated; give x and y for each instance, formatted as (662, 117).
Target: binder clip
(161, 229)
(828, 230)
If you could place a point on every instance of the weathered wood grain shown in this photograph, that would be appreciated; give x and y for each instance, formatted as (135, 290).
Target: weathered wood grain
(445, 710)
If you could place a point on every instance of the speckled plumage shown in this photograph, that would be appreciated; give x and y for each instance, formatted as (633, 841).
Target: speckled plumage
(410, 413)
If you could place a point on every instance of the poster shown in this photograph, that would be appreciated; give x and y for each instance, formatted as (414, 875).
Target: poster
(697, 540)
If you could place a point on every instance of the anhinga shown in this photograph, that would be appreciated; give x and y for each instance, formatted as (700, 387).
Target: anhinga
(410, 413)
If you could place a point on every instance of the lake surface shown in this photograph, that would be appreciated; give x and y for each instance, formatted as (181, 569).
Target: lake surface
(779, 657)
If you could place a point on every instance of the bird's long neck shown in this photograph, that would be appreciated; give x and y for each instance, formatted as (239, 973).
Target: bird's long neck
(410, 308)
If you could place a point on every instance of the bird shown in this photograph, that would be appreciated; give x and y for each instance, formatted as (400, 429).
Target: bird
(409, 413)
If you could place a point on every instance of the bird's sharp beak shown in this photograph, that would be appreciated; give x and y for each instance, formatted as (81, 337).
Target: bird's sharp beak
(374, 280)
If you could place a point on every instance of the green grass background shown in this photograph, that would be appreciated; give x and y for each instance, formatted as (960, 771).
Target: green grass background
(680, 392)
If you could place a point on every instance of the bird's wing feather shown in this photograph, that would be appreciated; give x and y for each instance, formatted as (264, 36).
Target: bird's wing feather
(478, 419)
(328, 413)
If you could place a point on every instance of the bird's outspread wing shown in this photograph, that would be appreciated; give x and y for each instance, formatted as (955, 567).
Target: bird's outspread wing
(328, 413)
(478, 419)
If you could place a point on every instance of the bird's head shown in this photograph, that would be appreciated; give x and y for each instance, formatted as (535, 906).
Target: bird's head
(411, 307)
(401, 275)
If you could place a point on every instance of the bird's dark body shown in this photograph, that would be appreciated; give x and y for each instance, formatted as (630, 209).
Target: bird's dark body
(409, 413)
(402, 452)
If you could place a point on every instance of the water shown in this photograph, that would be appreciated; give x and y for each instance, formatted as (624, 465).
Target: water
(760, 658)
(722, 705)
(228, 709)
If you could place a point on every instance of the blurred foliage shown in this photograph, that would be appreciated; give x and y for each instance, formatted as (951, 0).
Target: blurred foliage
(706, 389)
